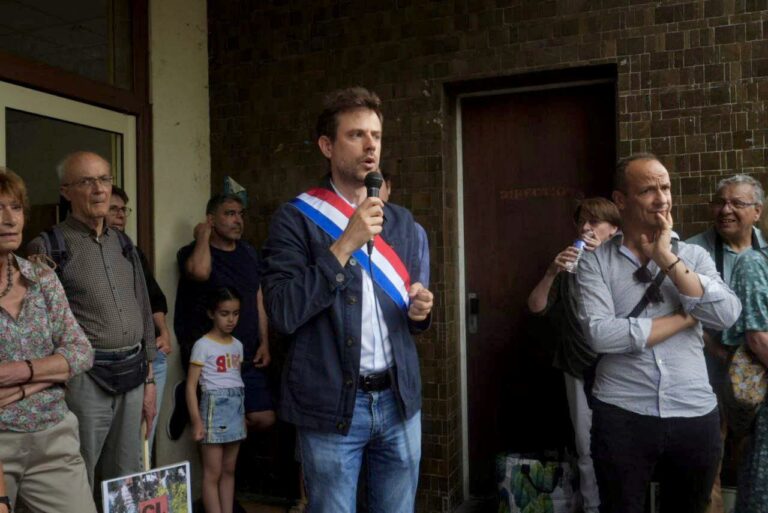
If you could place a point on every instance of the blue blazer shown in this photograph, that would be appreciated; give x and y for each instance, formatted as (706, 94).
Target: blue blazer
(317, 303)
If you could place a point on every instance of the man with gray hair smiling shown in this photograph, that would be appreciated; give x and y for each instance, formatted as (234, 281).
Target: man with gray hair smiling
(736, 208)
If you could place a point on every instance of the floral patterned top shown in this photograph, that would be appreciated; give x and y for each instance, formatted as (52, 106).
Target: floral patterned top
(45, 326)
(750, 283)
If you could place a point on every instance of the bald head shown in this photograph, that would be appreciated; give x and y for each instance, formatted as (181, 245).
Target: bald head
(75, 160)
(85, 179)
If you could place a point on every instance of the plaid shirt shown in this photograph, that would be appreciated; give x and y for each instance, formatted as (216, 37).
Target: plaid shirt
(106, 292)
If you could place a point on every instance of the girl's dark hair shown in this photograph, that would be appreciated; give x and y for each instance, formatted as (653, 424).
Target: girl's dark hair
(219, 295)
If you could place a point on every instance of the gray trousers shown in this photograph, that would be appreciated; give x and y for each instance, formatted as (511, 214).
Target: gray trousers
(110, 429)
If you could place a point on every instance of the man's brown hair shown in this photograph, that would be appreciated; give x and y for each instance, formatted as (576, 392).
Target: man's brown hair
(620, 175)
(345, 100)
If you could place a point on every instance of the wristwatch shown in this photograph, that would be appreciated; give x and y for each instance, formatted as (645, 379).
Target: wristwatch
(4, 499)
(149, 381)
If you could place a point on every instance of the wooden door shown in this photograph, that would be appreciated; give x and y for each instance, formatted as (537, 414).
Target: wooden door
(527, 158)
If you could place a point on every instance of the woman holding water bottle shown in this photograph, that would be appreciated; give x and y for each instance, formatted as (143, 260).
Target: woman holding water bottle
(596, 220)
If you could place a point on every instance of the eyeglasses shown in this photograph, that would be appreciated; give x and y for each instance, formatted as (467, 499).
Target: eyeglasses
(653, 292)
(90, 181)
(735, 204)
(126, 211)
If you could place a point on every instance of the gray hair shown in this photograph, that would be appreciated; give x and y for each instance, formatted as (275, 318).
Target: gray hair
(63, 165)
(757, 189)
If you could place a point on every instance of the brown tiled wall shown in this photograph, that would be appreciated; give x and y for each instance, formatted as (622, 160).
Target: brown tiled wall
(691, 87)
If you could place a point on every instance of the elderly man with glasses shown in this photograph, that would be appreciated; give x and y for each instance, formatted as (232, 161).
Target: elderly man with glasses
(643, 298)
(736, 208)
(104, 283)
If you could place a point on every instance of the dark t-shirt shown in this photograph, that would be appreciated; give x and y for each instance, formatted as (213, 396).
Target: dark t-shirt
(156, 297)
(238, 270)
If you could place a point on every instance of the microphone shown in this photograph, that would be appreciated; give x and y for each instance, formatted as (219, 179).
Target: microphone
(373, 183)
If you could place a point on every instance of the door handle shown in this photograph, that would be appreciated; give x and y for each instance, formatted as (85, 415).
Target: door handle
(473, 310)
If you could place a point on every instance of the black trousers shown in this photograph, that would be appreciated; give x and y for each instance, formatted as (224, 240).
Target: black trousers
(628, 449)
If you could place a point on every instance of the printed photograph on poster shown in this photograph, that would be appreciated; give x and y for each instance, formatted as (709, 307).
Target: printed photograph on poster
(160, 490)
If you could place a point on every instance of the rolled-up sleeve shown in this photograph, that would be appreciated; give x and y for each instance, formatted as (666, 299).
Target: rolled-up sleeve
(719, 307)
(605, 332)
(69, 340)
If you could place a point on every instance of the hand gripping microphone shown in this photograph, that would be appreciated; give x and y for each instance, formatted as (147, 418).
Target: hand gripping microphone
(373, 183)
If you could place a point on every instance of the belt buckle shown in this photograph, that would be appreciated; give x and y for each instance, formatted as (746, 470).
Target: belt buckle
(368, 381)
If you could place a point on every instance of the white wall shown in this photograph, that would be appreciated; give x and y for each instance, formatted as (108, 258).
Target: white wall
(182, 175)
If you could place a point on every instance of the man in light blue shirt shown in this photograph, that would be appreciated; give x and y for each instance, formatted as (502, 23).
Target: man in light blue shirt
(736, 208)
(654, 409)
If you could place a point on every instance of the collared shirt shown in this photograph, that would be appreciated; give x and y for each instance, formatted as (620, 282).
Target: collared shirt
(45, 326)
(376, 349)
(706, 240)
(106, 292)
(666, 380)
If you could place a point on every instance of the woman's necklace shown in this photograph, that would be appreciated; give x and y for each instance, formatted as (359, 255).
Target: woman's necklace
(9, 286)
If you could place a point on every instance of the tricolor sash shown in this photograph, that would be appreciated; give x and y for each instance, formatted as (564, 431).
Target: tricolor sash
(331, 213)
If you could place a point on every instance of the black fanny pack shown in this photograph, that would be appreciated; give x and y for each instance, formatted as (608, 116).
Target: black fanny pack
(119, 376)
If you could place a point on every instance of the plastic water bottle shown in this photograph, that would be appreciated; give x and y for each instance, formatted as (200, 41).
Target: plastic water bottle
(579, 245)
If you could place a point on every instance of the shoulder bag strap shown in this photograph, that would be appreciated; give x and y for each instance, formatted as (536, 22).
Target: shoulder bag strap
(719, 250)
(640, 306)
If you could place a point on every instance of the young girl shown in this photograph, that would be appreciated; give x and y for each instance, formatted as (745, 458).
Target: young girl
(219, 422)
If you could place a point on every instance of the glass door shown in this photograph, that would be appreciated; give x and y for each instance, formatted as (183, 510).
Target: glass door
(38, 129)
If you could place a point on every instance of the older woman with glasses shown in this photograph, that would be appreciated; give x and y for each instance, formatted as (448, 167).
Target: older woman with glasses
(41, 347)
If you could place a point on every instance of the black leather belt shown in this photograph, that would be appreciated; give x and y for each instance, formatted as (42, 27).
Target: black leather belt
(375, 382)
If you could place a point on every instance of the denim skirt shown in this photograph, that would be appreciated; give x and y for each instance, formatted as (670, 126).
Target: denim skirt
(223, 415)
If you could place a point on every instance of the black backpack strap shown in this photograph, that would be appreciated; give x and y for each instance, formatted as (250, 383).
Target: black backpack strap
(56, 247)
(719, 250)
(126, 245)
(591, 373)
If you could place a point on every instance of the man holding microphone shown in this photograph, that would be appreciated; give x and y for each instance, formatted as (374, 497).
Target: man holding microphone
(351, 383)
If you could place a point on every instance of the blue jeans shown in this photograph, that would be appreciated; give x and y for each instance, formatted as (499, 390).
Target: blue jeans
(160, 371)
(392, 448)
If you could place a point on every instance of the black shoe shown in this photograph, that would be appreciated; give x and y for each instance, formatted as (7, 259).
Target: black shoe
(179, 414)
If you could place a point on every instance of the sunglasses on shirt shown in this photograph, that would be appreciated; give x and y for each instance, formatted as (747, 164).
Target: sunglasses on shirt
(653, 292)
